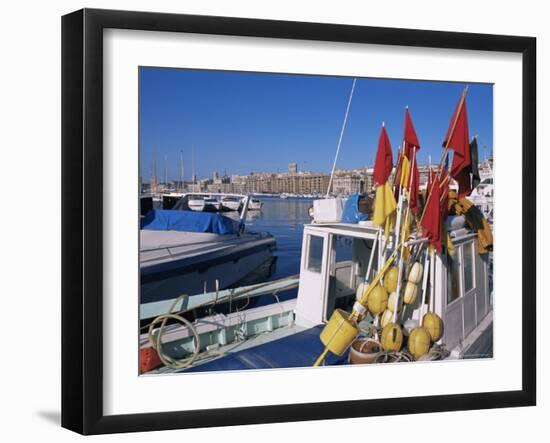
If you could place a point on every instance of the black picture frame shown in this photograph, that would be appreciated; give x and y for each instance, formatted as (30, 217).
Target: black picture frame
(82, 231)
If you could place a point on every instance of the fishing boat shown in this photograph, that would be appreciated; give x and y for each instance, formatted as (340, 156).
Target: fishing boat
(288, 333)
(192, 252)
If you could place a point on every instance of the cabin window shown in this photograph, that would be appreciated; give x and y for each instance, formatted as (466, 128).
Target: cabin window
(469, 277)
(341, 293)
(315, 253)
(453, 278)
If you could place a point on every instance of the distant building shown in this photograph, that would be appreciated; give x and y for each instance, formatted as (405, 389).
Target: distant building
(345, 182)
(348, 182)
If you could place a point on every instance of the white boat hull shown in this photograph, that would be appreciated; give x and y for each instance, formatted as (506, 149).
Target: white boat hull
(196, 205)
(191, 266)
(198, 281)
(231, 205)
(255, 206)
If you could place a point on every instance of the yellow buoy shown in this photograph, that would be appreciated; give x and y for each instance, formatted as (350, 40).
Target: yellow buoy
(378, 300)
(339, 332)
(419, 342)
(411, 290)
(392, 300)
(360, 289)
(415, 276)
(386, 317)
(433, 324)
(392, 337)
(390, 279)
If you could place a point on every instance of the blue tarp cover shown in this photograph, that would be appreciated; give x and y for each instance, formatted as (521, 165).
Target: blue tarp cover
(351, 210)
(188, 221)
(294, 351)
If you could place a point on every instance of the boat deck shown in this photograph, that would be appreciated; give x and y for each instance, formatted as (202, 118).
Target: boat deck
(160, 246)
(293, 351)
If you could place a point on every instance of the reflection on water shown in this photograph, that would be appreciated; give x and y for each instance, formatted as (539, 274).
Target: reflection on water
(284, 219)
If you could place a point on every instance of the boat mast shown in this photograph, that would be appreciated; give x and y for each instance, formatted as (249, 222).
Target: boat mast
(154, 178)
(194, 178)
(165, 171)
(181, 170)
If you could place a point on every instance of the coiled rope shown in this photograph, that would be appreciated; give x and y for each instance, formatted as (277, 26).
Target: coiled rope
(156, 339)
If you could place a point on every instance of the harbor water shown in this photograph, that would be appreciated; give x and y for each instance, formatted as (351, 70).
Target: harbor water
(284, 219)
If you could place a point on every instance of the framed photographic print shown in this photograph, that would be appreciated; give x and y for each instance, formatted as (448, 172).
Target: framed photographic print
(269, 221)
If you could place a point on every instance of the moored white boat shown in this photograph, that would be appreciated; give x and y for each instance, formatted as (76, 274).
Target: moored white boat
(196, 203)
(211, 204)
(255, 205)
(184, 252)
(231, 203)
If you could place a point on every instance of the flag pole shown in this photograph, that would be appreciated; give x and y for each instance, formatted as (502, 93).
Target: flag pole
(424, 284)
(446, 150)
(400, 201)
(400, 271)
(341, 136)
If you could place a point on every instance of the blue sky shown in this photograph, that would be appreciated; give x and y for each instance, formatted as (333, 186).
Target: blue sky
(253, 122)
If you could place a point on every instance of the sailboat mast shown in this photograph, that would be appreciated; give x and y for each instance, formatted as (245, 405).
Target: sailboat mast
(181, 170)
(154, 178)
(165, 171)
(193, 165)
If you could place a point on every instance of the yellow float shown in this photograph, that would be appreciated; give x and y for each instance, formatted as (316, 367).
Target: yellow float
(386, 318)
(378, 300)
(392, 337)
(411, 291)
(433, 324)
(390, 279)
(339, 332)
(392, 301)
(419, 342)
(415, 276)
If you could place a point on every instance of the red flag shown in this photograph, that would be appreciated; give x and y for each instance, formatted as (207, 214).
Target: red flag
(459, 140)
(411, 142)
(384, 159)
(410, 136)
(432, 220)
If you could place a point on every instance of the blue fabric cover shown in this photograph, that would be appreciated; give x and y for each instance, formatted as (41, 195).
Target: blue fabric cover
(294, 351)
(351, 210)
(188, 221)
